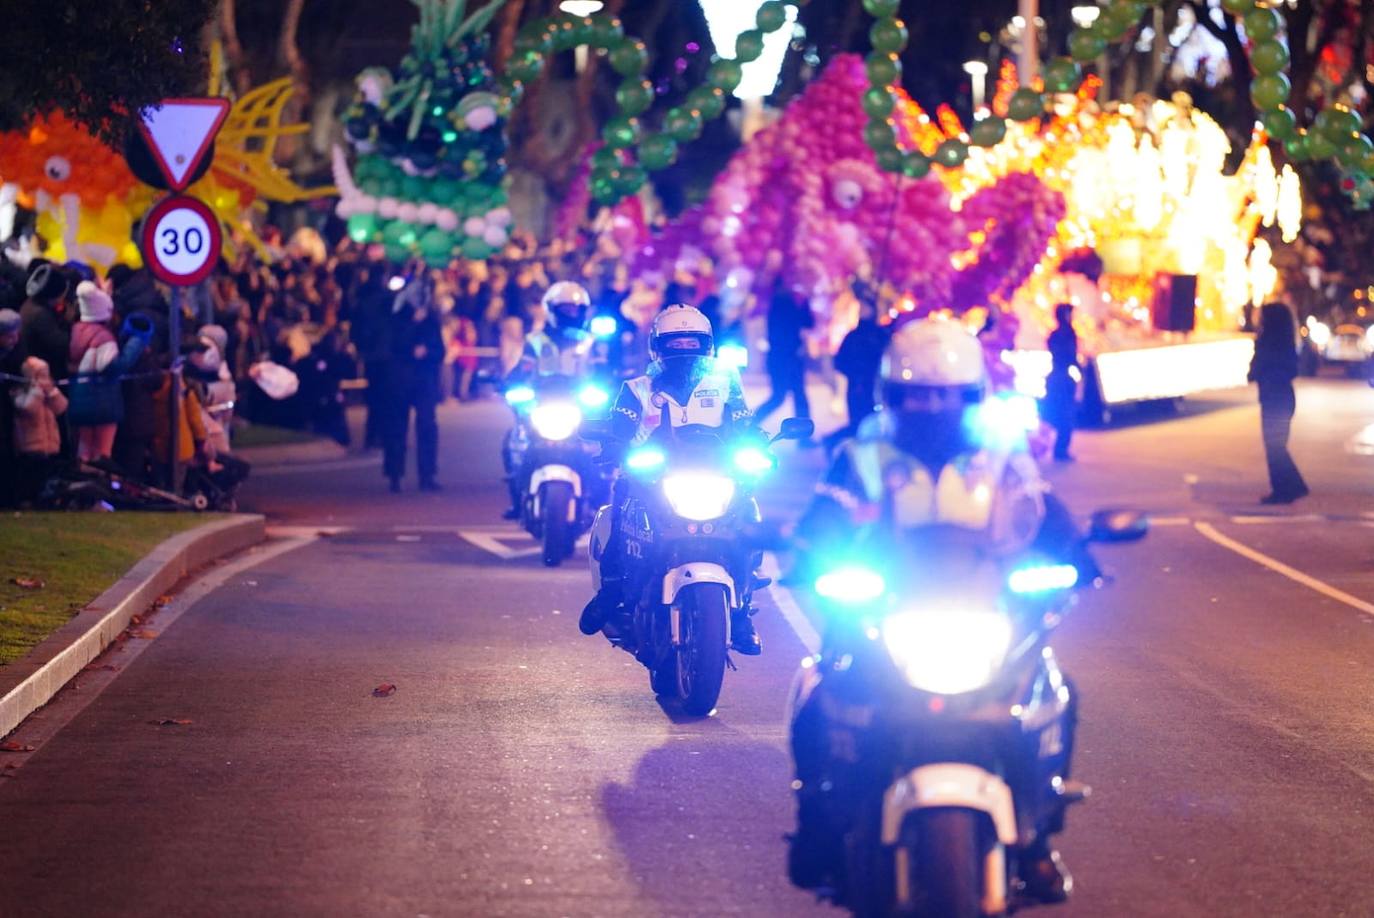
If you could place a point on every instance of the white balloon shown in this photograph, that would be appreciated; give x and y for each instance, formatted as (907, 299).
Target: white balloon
(474, 226)
(345, 208)
(495, 237)
(427, 212)
(501, 216)
(387, 208)
(480, 118)
(365, 204)
(446, 220)
(408, 212)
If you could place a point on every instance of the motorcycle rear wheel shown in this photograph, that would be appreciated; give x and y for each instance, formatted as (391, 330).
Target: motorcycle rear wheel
(558, 531)
(704, 610)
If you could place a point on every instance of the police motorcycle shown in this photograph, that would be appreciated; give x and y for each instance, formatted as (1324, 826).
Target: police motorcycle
(677, 545)
(555, 485)
(933, 732)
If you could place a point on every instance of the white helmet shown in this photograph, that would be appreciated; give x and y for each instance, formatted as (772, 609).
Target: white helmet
(567, 305)
(681, 331)
(934, 352)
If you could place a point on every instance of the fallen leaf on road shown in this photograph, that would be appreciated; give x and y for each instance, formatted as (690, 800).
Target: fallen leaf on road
(28, 583)
(12, 746)
(170, 722)
(161, 601)
(385, 690)
(146, 634)
(136, 619)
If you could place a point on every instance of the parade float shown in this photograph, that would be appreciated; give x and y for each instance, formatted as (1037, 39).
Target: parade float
(87, 200)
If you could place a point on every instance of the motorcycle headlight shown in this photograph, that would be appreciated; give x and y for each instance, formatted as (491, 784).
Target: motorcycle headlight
(947, 652)
(556, 421)
(699, 496)
(751, 460)
(1042, 578)
(851, 585)
(593, 397)
(520, 395)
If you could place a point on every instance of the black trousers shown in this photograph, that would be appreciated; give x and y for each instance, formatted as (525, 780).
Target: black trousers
(378, 393)
(784, 380)
(420, 396)
(1284, 477)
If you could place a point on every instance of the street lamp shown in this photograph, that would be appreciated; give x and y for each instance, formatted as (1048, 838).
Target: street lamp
(581, 7)
(978, 70)
(1085, 16)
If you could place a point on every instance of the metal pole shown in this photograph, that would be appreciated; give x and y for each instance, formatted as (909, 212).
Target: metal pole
(1028, 61)
(174, 349)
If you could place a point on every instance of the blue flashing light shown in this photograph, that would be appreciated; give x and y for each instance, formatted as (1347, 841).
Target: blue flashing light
(593, 397)
(604, 326)
(733, 355)
(751, 460)
(1005, 420)
(851, 585)
(519, 395)
(1043, 578)
(645, 459)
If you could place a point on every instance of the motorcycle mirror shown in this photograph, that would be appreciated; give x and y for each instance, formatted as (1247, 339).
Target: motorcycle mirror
(1118, 526)
(796, 429)
(594, 429)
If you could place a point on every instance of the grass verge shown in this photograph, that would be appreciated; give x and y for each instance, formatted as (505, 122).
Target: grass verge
(77, 556)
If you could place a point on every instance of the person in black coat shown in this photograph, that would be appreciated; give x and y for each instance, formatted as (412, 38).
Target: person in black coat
(1274, 368)
(371, 334)
(12, 356)
(857, 360)
(1061, 390)
(788, 316)
(417, 354)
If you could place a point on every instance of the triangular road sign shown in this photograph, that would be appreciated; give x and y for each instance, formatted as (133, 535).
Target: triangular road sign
(179, 132)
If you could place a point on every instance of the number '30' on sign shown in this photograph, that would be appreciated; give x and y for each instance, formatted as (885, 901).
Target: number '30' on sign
(181, 240)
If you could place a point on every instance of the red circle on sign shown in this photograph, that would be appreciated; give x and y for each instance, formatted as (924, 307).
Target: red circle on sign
(181, 240)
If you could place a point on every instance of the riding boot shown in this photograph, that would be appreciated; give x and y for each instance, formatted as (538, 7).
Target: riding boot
(744, 640)
(1044, 878)
(602, 606)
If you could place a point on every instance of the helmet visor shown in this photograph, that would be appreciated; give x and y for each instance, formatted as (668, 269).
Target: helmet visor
(568, 315)
(683, 344)
(905, 399)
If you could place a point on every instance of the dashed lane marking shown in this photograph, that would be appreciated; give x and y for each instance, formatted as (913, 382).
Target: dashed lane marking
(787, 604)
(494, 541)
(1279, 567)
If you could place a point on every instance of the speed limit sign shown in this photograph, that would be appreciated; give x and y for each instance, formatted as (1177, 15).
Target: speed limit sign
(181, 240)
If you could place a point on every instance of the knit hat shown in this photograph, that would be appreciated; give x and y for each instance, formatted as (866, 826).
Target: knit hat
(46, 283)
(217, 336)
(95, 303)
(9, 321)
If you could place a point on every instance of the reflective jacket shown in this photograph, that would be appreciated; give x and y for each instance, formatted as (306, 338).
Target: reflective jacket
(716, 399)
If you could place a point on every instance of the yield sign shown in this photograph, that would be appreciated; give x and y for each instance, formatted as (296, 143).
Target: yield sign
(179, 132)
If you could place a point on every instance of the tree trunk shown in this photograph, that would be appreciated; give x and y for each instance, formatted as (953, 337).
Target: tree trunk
(289, 55)
(239, 73)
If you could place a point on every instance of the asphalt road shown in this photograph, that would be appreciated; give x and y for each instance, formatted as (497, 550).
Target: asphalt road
(522, 769)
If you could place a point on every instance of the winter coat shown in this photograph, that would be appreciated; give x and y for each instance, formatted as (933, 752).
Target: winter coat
(97, 393)
(1274, 367)
(190, 428)
(36, 409)
(42, 335)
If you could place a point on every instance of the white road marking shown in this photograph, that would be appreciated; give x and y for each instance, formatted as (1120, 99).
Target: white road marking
(1170, 521)
(493, 539)
(1277, 518)
(787, 605)
(1278, 567)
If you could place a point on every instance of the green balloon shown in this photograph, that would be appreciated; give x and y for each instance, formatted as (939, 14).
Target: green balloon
(583, 30)
(397, 254)
(1281, 123)
(914, 165)
(658, 151)
(606, 158)
(536, 36)
(889, 159)
(606, 31)
(1337, 123)
(879, 135)
(526, 67)
(1269, 56)
(1354, 150)
(988, 132)
(1270, 91)
(1238, 7)
(888, 35)
(397, 233)
(1296, 147)
(362, 227)
(709, 100)
(749, 46)
(682, 124)
(476, 249)
(414, 188)
(621, 132)
(437, 247)
(724, 74)
(603, 190)
(565, 34)
(879, 102)
(883, 69)
(1063, 75)
(771, 16)
(629, 57)
(1319, 147)
(630, 180)
(951, 153)
(1262, 24)
(1085, 46)
(881, 9)
(1367, 167)
(1025, 104)
(634, 96)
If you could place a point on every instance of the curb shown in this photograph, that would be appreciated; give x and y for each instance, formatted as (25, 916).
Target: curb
(266, 457)
(30, 683)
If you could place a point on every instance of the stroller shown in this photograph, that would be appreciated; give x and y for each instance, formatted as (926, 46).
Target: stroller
(102, 484)
(216, 489)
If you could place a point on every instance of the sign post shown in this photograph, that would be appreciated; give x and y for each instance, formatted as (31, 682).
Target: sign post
(181, 238)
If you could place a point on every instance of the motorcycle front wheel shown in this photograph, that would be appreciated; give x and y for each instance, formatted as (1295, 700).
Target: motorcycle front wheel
(704, 609)
(558, 531)
(946, 867)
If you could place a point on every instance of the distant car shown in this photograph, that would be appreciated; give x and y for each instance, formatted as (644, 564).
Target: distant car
(1349, 346)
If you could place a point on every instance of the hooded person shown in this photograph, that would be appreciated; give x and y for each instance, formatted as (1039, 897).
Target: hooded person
(97, 362)
(38, 403)
(206, 369)
(42, 331)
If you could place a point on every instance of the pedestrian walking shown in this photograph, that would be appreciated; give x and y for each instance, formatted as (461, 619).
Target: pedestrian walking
(788, 316)
(417, 356)
(1061, 389)
(1274, 368)
(857, 360)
